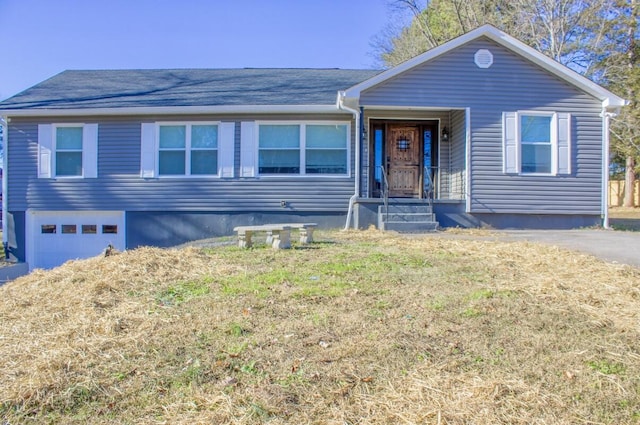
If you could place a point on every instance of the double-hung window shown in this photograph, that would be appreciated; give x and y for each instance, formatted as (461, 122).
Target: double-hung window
(68, 143)
(326, 149)
(279, 149)
(67, 150)
(187, 149)
(303, 148)
(536, 143)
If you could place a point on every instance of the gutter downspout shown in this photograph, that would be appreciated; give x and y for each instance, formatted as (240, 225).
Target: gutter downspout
(606, 119)
(356, 192)
(4, 121)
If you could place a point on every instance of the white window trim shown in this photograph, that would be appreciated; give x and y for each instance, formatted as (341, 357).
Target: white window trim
(302, 148)
(512, 143)
(47, 150)
(187, 149)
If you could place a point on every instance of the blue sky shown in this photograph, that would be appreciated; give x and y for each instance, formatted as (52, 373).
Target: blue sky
(43, 37)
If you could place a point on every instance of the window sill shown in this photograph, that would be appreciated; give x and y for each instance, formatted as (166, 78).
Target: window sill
(305, 176)
(178, 177)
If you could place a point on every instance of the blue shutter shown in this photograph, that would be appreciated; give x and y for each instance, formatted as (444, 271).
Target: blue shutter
(148, 151)
(510, 142)
(564, 143)
(90, 150)
(45, 144)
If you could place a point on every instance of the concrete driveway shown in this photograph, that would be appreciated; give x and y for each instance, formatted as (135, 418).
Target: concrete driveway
(614, 246)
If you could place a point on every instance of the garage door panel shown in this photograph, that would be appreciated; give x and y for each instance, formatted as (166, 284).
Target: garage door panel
(57, 237)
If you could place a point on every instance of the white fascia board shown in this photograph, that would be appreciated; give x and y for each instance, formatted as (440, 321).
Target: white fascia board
(411, 108)
(174, 110)
(609, 99)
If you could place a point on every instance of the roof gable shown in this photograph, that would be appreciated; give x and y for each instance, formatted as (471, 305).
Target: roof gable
(607, 98)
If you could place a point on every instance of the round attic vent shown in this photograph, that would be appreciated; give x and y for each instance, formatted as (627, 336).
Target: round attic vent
(483, 58)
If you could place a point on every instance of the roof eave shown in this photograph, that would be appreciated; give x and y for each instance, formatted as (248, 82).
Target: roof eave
(171, 110)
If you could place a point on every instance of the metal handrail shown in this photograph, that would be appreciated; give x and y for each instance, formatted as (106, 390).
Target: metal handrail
(385, 192)
(429, 192)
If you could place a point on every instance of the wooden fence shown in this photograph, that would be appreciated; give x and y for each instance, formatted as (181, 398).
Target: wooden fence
(616, 193)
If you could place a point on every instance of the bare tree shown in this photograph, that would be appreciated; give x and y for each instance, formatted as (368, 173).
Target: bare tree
(622, 73)
(570, 31)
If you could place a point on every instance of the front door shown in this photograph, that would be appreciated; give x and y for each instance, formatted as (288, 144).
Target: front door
(403, 160)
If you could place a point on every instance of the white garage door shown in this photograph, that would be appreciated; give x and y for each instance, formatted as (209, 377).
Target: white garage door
(54, 237)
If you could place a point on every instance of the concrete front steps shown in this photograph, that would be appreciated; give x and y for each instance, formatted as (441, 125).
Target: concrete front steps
(407, 217)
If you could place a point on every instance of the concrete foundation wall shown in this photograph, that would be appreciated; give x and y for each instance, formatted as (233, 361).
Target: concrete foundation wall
(450, 214)
(165, 229)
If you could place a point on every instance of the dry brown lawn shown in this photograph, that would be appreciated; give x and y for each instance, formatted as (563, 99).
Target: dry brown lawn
(625, 212)
(626, 219)
(358, 328)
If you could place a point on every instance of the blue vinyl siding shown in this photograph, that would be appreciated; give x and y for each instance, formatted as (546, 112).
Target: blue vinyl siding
(119, 149)
(457, 167)
(120, 187)
(453, 81)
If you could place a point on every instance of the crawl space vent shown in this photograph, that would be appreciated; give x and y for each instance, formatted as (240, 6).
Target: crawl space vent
(483, 58)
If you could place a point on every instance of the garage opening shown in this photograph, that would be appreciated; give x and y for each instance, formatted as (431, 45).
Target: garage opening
(54, 237)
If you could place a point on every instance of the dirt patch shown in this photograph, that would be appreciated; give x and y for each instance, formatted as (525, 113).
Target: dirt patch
(360, 327)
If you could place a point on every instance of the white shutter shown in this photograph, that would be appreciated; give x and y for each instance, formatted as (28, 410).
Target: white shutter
(226, 148)
(45, 145)
(564, 143)
(148, 151)
(248, 149)
(510, 142)
(90, 150)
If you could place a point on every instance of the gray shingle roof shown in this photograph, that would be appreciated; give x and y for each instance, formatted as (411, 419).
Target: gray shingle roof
(187, 87)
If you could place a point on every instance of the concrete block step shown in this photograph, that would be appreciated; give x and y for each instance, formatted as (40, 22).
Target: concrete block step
(406, 208)
(410, 227)
(408, 217)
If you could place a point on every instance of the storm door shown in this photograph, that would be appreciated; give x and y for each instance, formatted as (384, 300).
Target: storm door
(403, 160)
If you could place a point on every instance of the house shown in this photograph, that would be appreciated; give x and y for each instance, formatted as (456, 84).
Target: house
(483, 130)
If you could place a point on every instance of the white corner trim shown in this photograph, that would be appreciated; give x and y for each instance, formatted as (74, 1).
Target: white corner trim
(467, 119)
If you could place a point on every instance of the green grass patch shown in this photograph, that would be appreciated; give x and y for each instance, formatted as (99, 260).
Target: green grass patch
(181, 292)
(607, 367)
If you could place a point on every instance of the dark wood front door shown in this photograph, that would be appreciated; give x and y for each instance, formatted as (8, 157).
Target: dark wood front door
(403, 160)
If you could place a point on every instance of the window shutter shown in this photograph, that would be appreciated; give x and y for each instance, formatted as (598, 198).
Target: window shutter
(226, 148)
(510, 142)
(247, 149)
(45, 145)
(90, 150)
(148, 151)
(564, 143)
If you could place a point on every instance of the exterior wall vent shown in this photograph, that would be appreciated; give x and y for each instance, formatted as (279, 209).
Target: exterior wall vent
(483, 58)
